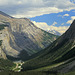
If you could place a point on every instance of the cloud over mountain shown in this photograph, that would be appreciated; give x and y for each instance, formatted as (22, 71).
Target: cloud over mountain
(70, 21)
(46, 27)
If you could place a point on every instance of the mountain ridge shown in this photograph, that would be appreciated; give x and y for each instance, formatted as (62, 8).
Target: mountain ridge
(22, 36)
(2, 13)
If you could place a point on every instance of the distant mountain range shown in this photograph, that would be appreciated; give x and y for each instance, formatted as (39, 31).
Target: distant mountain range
(59, 57)
(20, 38)
(54, 32)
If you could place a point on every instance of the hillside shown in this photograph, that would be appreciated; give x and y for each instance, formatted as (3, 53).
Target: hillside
(6, 65)
(21, 38)
(58, 57)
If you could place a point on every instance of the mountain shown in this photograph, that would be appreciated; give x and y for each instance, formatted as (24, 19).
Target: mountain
(2, 13)
(54, 32)
(20, 38)
(56, 58)
(6, 65)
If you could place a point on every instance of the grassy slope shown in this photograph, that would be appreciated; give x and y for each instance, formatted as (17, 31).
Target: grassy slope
(6, 64)
(34, 73)
(24, 73)
(70, 73)
(51, 55)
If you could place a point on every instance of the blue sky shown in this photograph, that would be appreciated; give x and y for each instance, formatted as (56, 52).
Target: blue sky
(55, 17)
(55, 21)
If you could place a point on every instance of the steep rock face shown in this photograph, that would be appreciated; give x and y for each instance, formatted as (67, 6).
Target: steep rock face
(60, 51)
(21, 35)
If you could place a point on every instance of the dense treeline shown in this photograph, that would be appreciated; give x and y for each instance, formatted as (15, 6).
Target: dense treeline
(6, 64)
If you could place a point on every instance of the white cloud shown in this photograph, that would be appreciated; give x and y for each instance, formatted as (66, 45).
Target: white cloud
(62, 24)
(54, 23)
(41, 25)
(19, 2)
(60, 16)
(33, 12)
(63, 15)
(32, 8)
(73, 17)
(46, 27)
(70, 21)
(66, 15)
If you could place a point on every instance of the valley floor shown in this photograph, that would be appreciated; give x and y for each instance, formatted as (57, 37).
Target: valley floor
(34, 73)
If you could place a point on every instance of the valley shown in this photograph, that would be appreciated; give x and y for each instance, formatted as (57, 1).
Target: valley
(28, 50)
(60, 54)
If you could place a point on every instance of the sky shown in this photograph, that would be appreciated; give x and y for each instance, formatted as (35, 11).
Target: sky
(45, 14)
